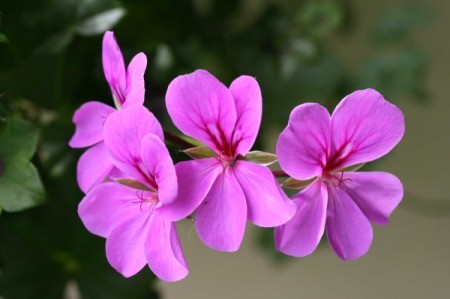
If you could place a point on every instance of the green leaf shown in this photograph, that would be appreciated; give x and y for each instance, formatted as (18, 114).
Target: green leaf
(200, 152)
(20, 185)
(101, 22)
(132, 184)
(296, 184)
(3, 38)
(262, 158)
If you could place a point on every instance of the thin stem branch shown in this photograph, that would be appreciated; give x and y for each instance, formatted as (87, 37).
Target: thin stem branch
(177, 140)
(280, 174)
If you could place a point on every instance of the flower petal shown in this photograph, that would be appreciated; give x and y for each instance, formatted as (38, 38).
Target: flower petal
(365, 127)
(195, 178)
(300, 236)
(304, 145)
(135, 93)
(89, 120)
(114, 66)
(377, 194)
(267, 205)
(93, 167)
(348, 230)
(125, 246)
(248, 100)
(220, 219)
(123, 133)
(163, 250)
(107, 206)
(158, 163)
(203, 108)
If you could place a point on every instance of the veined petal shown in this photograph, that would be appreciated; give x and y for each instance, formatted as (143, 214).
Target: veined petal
(125, 246)
(300, 236)
(348, 230)
(220, 219)
(377, 194)
(89, 120)
(248, 100)
(159, 165)
(93, 167)
(365, 127)
(107, 206)
(303, 147)
(114, 66)
(267, 205)
(203, 108)
(135, 93)
(123, 133)
(195, 178)
(163, 250)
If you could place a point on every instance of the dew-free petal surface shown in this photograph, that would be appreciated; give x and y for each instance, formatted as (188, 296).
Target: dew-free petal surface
(114, 66)
(123, 133)
(221, 217)
(93, 167)
(300, 236)
(163, 250)
(248, 100)
(377, 194)
(159, 164)
(203, 108)
(135, 90)
(195, 178)
(107, 206)
(303, 147)
(267, 205)
(89, 120)
(365, 127)
(348, 230)
(125, 246)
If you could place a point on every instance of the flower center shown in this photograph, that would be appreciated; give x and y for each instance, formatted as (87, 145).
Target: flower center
(147, 201)
(334, 180)
(226, 160)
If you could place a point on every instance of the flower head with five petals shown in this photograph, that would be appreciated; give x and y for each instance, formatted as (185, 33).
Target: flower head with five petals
(225, 189)
(363, 127)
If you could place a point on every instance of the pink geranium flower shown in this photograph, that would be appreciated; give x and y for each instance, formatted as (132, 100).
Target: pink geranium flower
(363, 127)
(226, 189)
(133, 220)
(127, 87)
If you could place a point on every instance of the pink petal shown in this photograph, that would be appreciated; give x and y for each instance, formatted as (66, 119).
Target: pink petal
(135, 93)
(89, 120)
(123, 133)
(248, 100)
(365, 127)
(125, 246)
(348, 230)
(203, 108)
(93, 167)
(300, 236)
(163, 250)
(195, 178)
(377, 194)
(267, 205)
(220, 219)
(107, 206)
(114, 66)
(158, 163)
(304, 145)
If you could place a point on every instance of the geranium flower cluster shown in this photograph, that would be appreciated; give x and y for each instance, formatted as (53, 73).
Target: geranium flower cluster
(135, 194)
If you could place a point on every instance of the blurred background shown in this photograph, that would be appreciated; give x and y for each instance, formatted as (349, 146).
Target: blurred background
(299, 51)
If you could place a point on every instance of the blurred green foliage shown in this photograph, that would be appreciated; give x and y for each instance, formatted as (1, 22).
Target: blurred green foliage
(50, 63)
